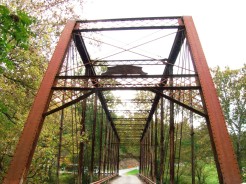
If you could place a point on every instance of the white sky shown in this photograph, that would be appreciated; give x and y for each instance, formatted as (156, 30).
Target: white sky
(220, 24)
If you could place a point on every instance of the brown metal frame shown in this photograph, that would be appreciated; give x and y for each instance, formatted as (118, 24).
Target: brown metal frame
(20, 164)
(225, 159)
(226, 163)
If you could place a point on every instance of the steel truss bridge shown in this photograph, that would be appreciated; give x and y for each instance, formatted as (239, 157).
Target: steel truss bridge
(157, 69)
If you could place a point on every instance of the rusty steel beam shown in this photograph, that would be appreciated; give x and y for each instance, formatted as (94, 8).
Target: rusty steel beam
(178, 42)
(148, 101)
(100, 144)
(124, 76)
(172, 144)
(127, 28)
(226, 162)
(117, 25)
(69, 103)
(126, 88)
(93, 143)
(131, 125)
(21, 161)
(130, 119)
(79, 42)
(129, 110)
(162, 153)
(133, 136)
(129, 19)
(130, 62)
(129, 128)
(81, 143)
(180, 103)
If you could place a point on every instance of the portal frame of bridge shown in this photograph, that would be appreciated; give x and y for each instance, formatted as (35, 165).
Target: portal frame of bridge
(225, 160)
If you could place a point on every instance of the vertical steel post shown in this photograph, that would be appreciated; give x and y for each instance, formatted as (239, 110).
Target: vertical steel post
(226, 162)
(161, 144)
(59, 145)
(82, 131)
(171, 133)
(81, 144)
(171, 137)
(155, 150)
(93, 137)
(192, 149)
(152, 151)
(100, 145)
(108, 150)
(60, 133)
(118, 156)
(21, 161)
(112, 153)
(115, 154)
(105, 148)
(145, 154)
(140, 158)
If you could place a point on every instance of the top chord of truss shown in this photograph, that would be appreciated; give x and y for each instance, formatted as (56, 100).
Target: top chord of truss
(129, 24)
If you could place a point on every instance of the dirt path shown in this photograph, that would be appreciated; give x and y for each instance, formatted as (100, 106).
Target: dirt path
(131, 179)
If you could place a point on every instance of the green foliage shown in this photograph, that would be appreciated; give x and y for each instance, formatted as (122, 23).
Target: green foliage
(67, 178)
(231, 86)
(26, 44)
(15, 30)
(133, 172)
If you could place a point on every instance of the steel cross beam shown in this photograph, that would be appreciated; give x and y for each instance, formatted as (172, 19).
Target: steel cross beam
(116, 25)
(180, 103)
(122, 129)
(125, 124)
(78, 40)
(129, 110)
(69, 103)
(127, 88)
(126, 76)
(132, 101)
(178, 42)
(130, 119)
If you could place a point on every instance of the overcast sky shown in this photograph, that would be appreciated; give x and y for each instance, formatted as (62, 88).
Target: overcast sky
(221, 24)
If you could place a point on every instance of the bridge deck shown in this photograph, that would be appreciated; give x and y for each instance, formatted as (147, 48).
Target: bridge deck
(131, 179)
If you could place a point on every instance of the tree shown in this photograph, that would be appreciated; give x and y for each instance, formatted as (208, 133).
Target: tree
(50, 16)
(18, 87)
(15, 31)
(26, 43)
(231, 86)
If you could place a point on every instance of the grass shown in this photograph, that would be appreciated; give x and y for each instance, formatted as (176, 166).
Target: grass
(133, 172)
(66, 178)
(212, 174)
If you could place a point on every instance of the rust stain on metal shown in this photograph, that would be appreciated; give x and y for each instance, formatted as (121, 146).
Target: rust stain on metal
(227, 164)
(124, 70)
(21, 161)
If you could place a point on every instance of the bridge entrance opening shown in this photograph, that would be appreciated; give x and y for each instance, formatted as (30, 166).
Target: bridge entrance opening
(121, 88)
